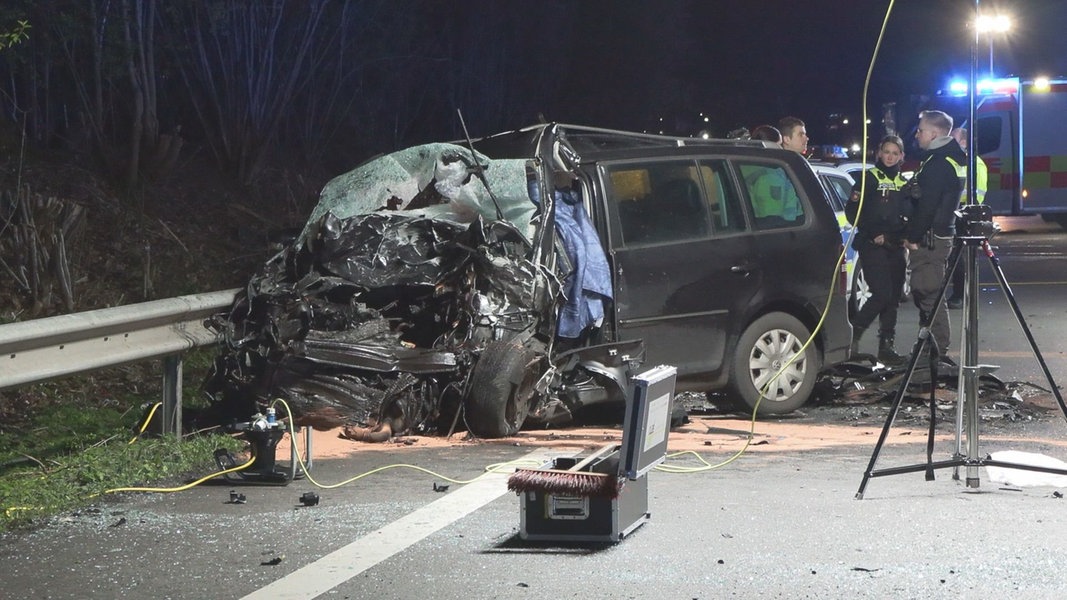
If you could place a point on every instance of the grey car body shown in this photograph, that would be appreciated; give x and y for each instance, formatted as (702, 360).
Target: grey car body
(437, 281)
(694, 293)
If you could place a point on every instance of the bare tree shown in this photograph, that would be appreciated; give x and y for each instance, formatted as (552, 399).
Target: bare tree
(137, 32)
(241, 63)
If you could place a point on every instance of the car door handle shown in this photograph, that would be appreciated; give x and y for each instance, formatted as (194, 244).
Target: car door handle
(744, 269)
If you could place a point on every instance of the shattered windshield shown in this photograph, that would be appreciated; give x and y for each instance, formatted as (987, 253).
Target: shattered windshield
(435, 180)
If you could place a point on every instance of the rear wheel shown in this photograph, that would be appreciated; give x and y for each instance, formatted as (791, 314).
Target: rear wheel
(762, 350)
(501, 387)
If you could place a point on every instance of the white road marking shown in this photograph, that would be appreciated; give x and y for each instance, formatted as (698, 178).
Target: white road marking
(345, 563)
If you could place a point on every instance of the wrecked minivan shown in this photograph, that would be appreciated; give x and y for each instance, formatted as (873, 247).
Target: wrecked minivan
(520, 278)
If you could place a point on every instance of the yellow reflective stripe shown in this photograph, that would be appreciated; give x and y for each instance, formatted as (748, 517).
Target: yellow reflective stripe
(982, 176)
(895, 182)
(961, 170)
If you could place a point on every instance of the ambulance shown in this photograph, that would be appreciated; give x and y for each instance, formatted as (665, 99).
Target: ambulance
(1022, 137)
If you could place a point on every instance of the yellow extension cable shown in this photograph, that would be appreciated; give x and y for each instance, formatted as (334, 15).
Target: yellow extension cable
(493, 468)
(829, 297)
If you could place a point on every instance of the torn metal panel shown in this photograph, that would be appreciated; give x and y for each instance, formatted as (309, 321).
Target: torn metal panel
(377, 315)
(340, 349)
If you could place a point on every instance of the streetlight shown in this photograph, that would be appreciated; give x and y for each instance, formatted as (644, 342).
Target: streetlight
(990, 24)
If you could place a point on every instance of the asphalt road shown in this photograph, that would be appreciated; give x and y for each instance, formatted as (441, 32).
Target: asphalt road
(777, 522)
(770, 525)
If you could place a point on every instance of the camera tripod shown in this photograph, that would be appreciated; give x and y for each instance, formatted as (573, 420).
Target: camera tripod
(976, 220)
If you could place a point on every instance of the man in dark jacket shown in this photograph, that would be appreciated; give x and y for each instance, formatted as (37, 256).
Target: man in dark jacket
(928, 236)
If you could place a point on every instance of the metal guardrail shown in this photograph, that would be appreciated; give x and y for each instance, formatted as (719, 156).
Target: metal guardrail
(54, 347)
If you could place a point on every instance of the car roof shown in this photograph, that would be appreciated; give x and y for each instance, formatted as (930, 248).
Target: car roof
(854, 166)
(821, 167)
(594, 143)
(825, 166)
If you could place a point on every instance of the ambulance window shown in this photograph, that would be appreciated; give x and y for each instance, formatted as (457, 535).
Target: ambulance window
(987, 137)
(772, 196)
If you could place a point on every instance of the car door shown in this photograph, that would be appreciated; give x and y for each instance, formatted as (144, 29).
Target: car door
(837, 185)
(683, 259)
(786, 244)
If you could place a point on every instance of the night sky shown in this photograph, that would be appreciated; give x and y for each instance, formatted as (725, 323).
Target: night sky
(746, 62)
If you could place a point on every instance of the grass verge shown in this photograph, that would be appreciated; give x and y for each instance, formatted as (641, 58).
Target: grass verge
(68, 458)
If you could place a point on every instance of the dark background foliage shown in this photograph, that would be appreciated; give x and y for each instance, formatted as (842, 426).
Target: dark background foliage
(186, 130)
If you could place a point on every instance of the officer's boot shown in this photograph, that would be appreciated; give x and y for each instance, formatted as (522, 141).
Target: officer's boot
(887, 354)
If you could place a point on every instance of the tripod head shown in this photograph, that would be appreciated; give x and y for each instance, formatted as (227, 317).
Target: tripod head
(975, 220)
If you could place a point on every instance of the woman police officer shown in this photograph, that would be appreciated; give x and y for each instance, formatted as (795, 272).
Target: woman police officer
(880, 246)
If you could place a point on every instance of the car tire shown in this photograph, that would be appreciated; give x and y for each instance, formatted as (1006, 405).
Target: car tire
(860, 292)
(501, 387)
(764, 347)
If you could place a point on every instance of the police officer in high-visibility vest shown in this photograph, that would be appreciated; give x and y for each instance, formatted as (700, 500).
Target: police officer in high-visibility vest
(879, 222)
(935, 192)
(981, 183)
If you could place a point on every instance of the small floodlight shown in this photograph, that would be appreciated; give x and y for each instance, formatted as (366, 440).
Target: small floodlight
(993, 23)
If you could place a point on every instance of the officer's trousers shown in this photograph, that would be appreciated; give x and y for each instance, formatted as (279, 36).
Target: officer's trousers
(927, 275)
(883, 270)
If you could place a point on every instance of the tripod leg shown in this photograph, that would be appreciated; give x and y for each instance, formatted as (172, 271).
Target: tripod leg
(999, 273)
(965, 386)
(951, 264)
(933, 415)
(916, 353)
(967, 394)
(924, 338)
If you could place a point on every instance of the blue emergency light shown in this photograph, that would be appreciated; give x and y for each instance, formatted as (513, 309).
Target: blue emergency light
(1000, 85)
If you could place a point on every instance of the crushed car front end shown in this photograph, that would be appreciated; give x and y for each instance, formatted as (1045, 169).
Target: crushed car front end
(424, 286)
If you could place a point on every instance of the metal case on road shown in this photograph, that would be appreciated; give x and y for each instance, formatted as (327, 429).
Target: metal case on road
(554, 517)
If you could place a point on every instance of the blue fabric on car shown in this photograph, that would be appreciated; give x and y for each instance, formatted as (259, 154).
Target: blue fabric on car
(590, 282)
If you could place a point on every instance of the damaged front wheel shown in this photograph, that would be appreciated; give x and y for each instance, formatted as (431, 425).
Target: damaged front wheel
(501, 387)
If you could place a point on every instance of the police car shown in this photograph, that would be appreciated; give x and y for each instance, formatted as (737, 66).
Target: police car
(837, 184)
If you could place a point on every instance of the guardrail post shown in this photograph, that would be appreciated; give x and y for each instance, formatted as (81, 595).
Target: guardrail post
(172, 395)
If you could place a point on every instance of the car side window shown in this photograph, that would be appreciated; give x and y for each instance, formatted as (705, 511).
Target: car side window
(772, 196)
(659, 202)
(725, 207)
(839, 189)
